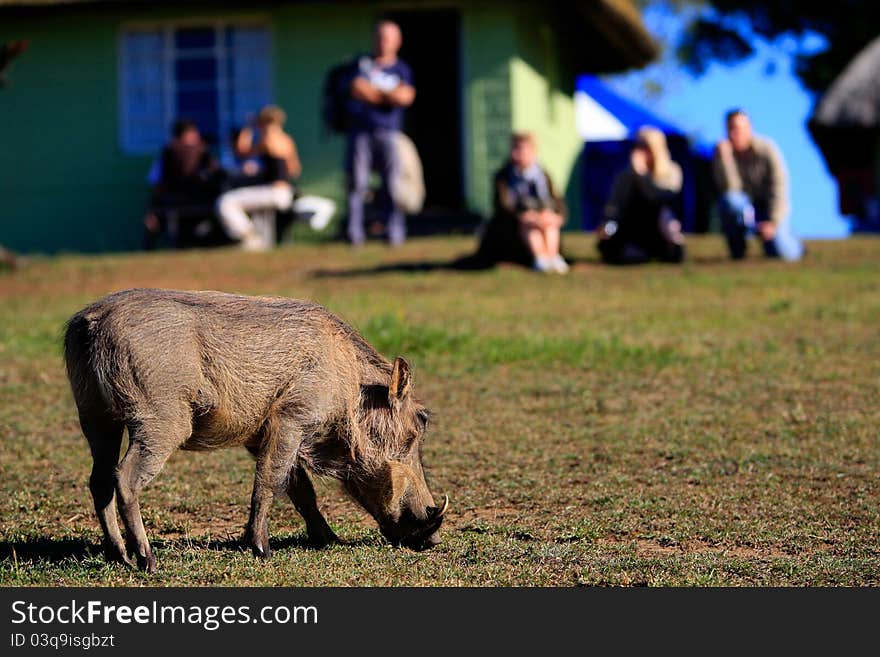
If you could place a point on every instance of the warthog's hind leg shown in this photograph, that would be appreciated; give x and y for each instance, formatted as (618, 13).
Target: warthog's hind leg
(105, 438)
(302, 494)
(149, 446)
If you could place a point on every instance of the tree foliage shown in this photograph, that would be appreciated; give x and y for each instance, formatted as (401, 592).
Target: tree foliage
(724, 30)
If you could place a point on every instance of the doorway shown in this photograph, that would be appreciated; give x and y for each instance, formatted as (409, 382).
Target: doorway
(432, 48)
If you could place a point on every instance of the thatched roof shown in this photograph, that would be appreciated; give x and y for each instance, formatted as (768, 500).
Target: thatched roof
(598, 36)
(853, 99)
(846, 120)
(605, 36)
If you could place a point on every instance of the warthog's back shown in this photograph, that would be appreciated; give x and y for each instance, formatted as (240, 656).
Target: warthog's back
(227, 357)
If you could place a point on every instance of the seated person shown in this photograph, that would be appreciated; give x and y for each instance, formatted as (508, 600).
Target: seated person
(240, 171)
(528, 214)
(186, 180)
(752, 179)
(639, 224)
(271, 186)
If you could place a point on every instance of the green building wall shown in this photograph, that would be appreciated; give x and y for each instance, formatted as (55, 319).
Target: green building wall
(66, 184)
(543, 102)
(488, 40)
(307, 41)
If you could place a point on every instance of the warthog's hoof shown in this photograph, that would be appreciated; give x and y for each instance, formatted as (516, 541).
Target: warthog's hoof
(116, 554)
(258, 544)
(322, 539)
(262, 551)
(147, 563)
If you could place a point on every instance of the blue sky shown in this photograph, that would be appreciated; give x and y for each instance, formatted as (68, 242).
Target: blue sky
(766, 86)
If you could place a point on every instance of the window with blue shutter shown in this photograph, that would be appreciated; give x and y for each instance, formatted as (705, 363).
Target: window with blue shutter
(214, 74)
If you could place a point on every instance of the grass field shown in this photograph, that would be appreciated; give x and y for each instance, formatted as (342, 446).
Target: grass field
(709, 424)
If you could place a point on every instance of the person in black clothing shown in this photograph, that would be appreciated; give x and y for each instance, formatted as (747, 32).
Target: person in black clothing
(639, 224)
(187, 181)
(528, 213)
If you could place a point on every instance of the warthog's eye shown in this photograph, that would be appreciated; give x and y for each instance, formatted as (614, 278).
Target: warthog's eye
(423, 415)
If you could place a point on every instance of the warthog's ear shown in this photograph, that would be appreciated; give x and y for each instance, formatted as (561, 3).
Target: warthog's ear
(400, 476)
(401, 382)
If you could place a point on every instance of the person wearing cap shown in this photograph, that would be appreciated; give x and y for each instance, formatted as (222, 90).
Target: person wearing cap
(752, 179)
(639, 223)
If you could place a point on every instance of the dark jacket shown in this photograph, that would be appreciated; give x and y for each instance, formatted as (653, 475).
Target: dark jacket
(189, 173)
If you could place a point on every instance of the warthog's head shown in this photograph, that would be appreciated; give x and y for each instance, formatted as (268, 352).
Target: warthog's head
(393, 487)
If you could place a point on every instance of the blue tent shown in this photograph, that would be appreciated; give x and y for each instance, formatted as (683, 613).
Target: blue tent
(607, 123)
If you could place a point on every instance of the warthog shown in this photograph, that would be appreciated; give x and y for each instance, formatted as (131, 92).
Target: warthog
(286, 379)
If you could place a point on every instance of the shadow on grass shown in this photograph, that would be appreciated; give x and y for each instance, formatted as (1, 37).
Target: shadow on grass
(52, 550)
(57, 550)
(474, 264)
(297, 542)
(464, 263)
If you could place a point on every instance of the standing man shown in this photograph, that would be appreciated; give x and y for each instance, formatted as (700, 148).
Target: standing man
(380, 90)
(753, 182)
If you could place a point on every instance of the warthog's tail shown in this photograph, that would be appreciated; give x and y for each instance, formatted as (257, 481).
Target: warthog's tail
(76, 358)
(80, 373)
(93, 393)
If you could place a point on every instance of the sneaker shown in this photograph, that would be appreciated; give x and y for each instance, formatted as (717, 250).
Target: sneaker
(319, 221)
(559, 265)
(542, 265)
(253, 242)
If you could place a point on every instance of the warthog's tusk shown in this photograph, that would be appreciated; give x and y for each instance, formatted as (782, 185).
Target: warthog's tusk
(444, 507)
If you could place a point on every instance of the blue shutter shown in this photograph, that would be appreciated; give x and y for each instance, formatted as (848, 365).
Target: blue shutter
(247, 71)
(195, 79)
(142, 86)
(216, 77)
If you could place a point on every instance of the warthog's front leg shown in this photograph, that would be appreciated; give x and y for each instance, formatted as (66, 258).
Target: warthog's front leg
(274, 457)
(302, 494)
(257, 531)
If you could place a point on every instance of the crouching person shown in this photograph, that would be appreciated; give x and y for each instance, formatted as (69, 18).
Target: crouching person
(753, 182)
(639, 224)
(528, 213)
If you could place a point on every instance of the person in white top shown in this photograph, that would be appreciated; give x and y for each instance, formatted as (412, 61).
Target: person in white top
(273, 188)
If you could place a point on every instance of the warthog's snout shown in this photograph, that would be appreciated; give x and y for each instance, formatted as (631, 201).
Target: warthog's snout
(416, 533)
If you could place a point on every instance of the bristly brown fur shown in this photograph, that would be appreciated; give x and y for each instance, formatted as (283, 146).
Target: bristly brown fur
(289, 380)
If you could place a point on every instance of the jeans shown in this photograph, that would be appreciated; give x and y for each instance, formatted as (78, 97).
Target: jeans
(366, 150)
(739, 218)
